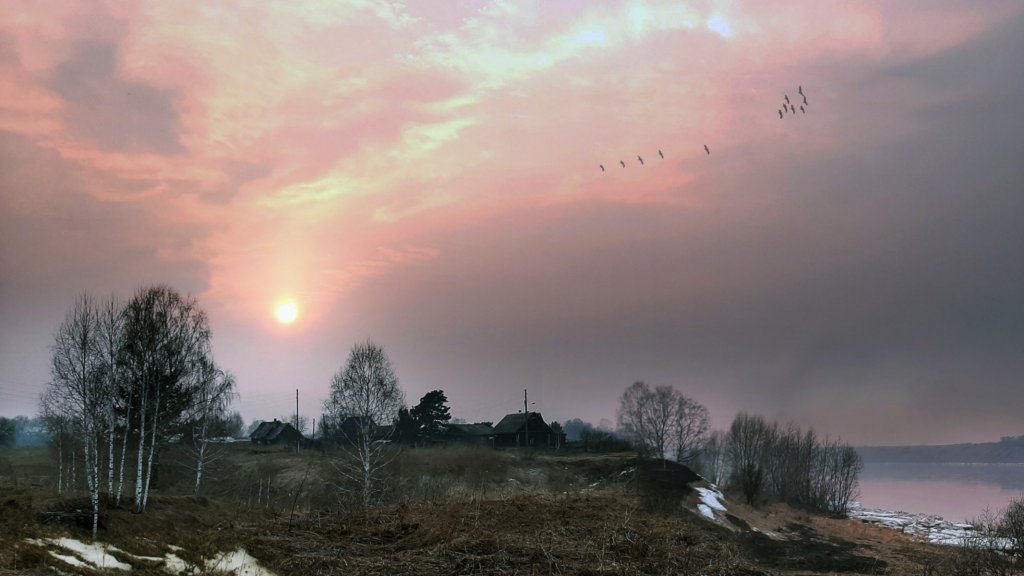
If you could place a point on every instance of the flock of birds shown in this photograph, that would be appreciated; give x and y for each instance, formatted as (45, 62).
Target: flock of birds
(787, 108)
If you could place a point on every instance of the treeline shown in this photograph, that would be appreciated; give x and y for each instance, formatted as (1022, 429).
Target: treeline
(757, 458)
(126, 378)
(762, 459)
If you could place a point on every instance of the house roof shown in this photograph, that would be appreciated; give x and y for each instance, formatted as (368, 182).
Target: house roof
(269, 431)
(469, 429)
(512, 423)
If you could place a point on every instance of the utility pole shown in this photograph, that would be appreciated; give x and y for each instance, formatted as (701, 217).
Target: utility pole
(298, 440)
(526, 410)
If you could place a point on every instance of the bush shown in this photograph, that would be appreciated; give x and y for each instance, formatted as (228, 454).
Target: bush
(1011, 525)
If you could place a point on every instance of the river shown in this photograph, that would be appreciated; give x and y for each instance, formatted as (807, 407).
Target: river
(957, 492)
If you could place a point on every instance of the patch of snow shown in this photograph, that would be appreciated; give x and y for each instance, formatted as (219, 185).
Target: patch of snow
(928, 527)
(239, 562)
(712, 498)
(70, 560)
(176, 565)
(705, 511)
(94, 554)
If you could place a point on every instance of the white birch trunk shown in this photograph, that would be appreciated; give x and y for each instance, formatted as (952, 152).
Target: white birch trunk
(60, 466)
(152, 449)
(92, 473)
(201, 458)
(140, 456)
(124, 449)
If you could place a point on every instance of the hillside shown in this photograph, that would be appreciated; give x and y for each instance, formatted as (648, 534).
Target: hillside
(1008, 450)
(449, 511)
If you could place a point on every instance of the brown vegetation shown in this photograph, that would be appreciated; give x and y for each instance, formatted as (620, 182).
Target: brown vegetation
(461, 511)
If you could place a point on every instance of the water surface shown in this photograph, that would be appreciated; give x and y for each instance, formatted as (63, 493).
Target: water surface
(957, 492)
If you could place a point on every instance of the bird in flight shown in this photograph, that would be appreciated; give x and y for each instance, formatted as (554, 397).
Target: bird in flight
(787, 98)
(706, 149)
(801, 89)
(640, 159)
(660, 154)
(780, 114)
(792, 108)
(602, 167)
(802, 110)
(623, 162)
(805, 99)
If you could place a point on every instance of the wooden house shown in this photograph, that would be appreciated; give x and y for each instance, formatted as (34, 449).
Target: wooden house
(480, 434)
(524, 431)
(276, 432)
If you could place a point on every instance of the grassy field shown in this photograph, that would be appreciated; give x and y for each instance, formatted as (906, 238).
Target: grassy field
(448, 511)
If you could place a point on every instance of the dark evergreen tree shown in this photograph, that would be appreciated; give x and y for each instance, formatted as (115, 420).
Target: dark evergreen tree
(431, 414)
(408, 430)
(8, 432)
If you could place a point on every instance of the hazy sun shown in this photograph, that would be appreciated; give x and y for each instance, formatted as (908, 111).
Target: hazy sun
(287, 312)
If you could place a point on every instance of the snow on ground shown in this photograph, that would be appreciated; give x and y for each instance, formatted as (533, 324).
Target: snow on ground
(96, 555)
(928, 527)
(710, 500)
(238, 562)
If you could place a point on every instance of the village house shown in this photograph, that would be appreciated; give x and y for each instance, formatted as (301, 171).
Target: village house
(276, 432)
(524, 430)
(480, 434)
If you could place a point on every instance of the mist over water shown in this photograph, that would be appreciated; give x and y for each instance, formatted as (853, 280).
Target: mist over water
(957, 492)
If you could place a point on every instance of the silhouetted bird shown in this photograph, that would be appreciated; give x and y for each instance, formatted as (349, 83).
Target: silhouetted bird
(660, 154)
(623, 162)
(602, 167)
(805, 99)
(792, 108)
(780, 114)
(802, 110)
(640, 159)
(801, 89)
(706, 149)
(787, 98)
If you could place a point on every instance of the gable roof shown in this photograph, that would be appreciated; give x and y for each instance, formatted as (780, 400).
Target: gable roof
(469, 429)
(513, 423)
(269, 431)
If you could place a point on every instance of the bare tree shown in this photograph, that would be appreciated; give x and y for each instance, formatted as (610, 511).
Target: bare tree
(713, 459)
(166, 340)
(78, 391)
(690, 425)
(746, 441)
(364, 393)
(212, 395)
(300, 423)
(661, 420)
(634, 416)
(1011, 525)
(110, 321)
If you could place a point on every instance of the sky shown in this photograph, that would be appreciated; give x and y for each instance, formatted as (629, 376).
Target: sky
(427, 176)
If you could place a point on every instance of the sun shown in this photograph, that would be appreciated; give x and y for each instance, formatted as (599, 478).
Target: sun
(287, 312)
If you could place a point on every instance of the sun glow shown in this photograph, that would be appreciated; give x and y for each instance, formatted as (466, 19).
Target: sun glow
(287, 312)
(720, 25)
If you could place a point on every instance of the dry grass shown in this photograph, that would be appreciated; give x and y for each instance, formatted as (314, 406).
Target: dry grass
(464, 511)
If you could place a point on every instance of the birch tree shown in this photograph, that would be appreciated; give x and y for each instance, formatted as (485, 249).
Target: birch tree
(78, 390)
(110, 322)
(364, 393)
(166, 341)
(213, 394)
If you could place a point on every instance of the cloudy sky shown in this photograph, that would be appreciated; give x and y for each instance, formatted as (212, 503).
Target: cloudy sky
(427, 175)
